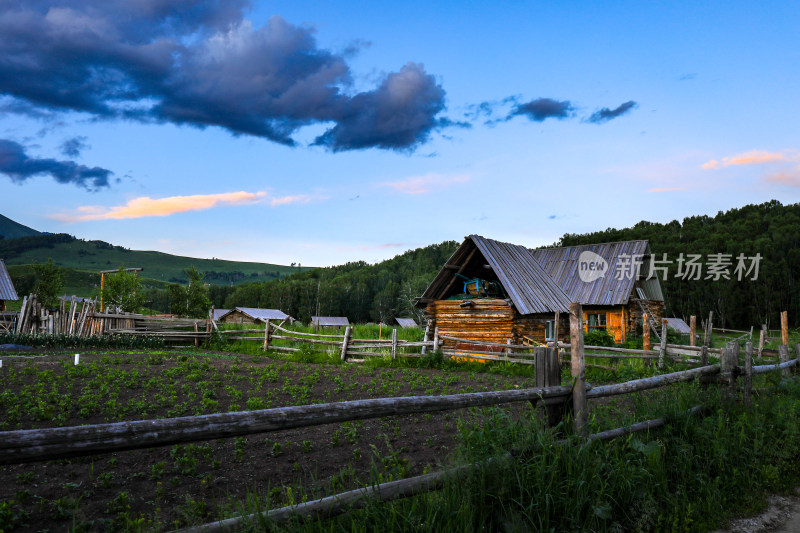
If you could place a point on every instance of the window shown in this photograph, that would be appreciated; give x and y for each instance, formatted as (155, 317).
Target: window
(596, 321)
(549, 330)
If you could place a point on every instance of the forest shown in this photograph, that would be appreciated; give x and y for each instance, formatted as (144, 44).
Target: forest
(386, 290)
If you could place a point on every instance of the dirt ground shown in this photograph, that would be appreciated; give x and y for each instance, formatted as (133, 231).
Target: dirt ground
(170, 487)
(782, 516)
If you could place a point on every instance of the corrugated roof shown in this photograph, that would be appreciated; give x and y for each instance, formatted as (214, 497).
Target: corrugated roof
(218, 313)
(7, 291)
(679, 325)
(549, 279)
(527, 284)
(258, 314)
(562, 265)
(407, 322)
(330, 320)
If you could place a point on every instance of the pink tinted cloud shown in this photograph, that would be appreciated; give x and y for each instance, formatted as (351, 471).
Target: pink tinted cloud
(426, 183)
(789, 177)
(753, 157)
(666, 189)
(144, 206)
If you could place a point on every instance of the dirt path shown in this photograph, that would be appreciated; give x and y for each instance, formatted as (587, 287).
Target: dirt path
(782, 516)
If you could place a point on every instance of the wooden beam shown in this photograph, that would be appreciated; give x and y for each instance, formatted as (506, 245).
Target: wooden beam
(578, 367)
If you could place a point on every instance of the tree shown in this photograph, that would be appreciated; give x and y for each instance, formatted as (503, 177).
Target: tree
(190, 300)
(122, 289)
(49, 283)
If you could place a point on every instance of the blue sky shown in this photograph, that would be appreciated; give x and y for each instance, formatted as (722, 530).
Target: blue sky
(326, 132)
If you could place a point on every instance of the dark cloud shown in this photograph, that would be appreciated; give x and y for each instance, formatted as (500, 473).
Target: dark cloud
(606, 114)
(200, 63)
(73, 147)
(543, 108)
(17, 165)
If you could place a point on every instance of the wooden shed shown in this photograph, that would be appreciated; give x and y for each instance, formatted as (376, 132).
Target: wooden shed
(329, 321)
(7, 292)
(494, 291)
(251, 315)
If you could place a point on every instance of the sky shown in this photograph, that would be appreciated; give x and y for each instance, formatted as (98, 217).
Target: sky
(325, 132)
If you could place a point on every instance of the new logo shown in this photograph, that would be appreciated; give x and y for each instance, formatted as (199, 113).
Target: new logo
(591, 266)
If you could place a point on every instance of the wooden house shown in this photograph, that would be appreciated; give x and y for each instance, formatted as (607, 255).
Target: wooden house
(7, 292)
(495, 291)
(251, 315)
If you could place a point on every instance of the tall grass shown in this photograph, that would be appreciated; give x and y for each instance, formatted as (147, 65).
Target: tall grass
(692, 475)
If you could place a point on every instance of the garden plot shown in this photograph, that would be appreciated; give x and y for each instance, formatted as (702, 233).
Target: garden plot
(164, 488)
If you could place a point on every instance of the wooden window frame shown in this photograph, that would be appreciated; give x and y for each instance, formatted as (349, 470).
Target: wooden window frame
(602, 322)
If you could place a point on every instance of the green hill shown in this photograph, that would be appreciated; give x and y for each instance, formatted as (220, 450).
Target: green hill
(93, 256)
(11, 230)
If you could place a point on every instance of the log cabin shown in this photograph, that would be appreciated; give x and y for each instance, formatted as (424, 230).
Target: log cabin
(495, 291)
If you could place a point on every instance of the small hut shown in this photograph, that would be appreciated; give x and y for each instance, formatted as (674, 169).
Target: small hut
(494, 291)
(329, 321)
(251, 315)
(7, 291)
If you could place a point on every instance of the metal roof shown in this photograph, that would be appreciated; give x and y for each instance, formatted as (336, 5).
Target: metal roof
(528, 286)
(258, 314)
(614, 287)
(218, 313)
(7, 291)
(548, 280)
(330, 320)
(407, 322)
(678, 325)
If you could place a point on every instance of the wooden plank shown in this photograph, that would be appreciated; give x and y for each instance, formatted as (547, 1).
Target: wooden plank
(692, 330)
(31, 445)
(785, 327)
(578, 369)
(394, 343)
(345, 340)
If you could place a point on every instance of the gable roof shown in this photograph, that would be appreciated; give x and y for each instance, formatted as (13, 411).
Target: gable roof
(548, 280)
(678, 324)
(406, 322)
(258, 314)
(218, 313)
(330, 320)
(7, 291)
(562, 265)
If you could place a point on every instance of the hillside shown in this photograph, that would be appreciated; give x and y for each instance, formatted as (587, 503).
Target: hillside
(93, 256)
(11, 230)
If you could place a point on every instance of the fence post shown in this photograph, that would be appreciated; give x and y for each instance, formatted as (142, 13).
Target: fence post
(578, 367)
(547, 373)
(761, 338)
(425, 337)
(727, 366)
(346, 341)
(797, 351)
(436, 338)
(692, 330)
(785, 327)
(748, 371)
(555, 336)
(394, 344)
(196, 338)
(507, 351)
(783, 355)
(645, 331)
(266, 336)
(662, 350)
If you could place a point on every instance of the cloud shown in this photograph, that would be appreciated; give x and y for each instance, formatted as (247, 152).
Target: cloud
(20, 167)
(425, 184)
(789, 177)
(161, 207)
(753, 157)
(73, 147)
(543, 108)
(666, 189)
(604, 115)
(201, 63)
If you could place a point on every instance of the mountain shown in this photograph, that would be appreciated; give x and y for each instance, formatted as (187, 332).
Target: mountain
(93, 256)
(11, 230)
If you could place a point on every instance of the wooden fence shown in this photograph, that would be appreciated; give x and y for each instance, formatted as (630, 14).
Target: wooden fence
(81, 318)
(56, 443)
